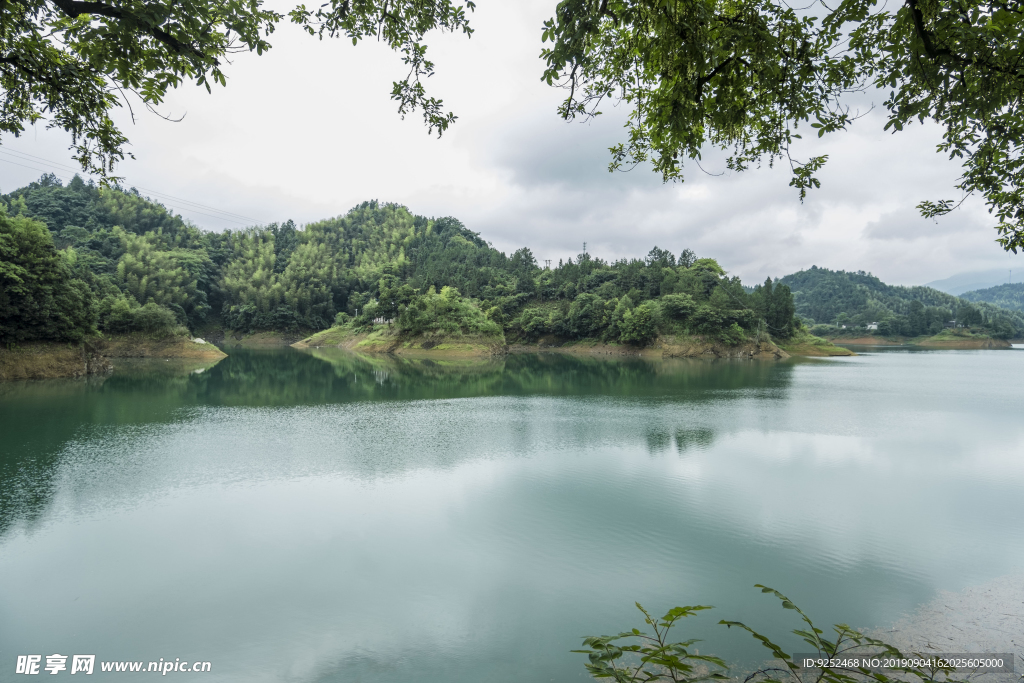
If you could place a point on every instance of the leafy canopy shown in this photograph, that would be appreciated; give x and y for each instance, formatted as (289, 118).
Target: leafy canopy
(139, 268)
(71, 62)
(745, 75)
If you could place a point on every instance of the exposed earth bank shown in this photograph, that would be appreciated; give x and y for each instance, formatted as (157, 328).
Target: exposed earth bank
(50, 360)
(46, 360)
(663, 347)
(669, 346)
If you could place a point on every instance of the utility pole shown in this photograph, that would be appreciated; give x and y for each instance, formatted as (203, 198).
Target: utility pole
(547, 263)
(584, 247)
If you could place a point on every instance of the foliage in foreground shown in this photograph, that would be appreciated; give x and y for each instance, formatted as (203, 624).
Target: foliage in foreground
(751, 76)
(636, 656)
(72, 62)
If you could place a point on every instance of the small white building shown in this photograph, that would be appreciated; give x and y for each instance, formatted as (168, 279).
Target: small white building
(872, 326)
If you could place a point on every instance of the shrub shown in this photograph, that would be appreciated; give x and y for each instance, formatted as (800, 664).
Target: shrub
(640, 325)
(707, 320)
(678, 306)
(734, 334)
(586, 316)
(532, 322)
(123, 315)
(154, 318)
(444, 313)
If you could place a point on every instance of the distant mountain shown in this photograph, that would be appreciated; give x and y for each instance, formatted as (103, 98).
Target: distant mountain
(855, 299)
(966, 282)
(1005, 296)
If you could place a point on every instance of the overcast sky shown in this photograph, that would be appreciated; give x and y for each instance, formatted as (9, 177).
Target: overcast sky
(308, 130)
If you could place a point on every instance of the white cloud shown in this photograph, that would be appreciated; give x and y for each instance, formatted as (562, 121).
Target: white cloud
(307, 131)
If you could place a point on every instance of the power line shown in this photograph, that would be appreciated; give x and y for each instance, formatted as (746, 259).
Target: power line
(189, 205)
(32, 157)
(156, 192)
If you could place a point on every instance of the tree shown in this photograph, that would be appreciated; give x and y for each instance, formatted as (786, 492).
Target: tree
(74, 61)
(586, 316)
(745, 75)
(774, 304)
(968, 316)
(39, 297)
(639, 325)
(678, 306)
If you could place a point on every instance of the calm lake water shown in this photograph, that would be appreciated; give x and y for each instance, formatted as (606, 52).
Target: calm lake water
(295, 516)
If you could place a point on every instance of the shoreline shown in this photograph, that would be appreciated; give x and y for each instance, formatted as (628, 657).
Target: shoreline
(943, 342)
(417, 347)
(668, 346)
(96, 356)
(51, 360)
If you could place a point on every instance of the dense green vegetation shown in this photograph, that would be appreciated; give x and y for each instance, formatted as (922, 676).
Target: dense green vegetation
(632, 301)
(40, 297)
(828, 300)
(1009, 296)
(113, 261)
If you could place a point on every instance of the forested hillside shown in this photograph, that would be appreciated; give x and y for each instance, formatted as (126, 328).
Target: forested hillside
(827, 300)
(80, 258)
(1009, 296)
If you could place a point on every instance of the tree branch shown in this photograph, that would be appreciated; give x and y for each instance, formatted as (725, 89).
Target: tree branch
(923, 33)
(703, 80)
(76, 8)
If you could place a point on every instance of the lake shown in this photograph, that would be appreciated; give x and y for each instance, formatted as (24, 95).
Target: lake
(316, 516)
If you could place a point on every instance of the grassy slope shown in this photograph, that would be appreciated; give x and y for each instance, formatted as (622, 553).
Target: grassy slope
(138, 345)
(806, 344)
(383, 340)
(963, 339)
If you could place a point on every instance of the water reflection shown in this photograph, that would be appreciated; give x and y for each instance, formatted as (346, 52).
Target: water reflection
(412, 521)
(41, 420)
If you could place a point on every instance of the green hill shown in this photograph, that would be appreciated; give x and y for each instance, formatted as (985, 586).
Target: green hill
(78, 259)
(827, 300)
(1009, 296)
